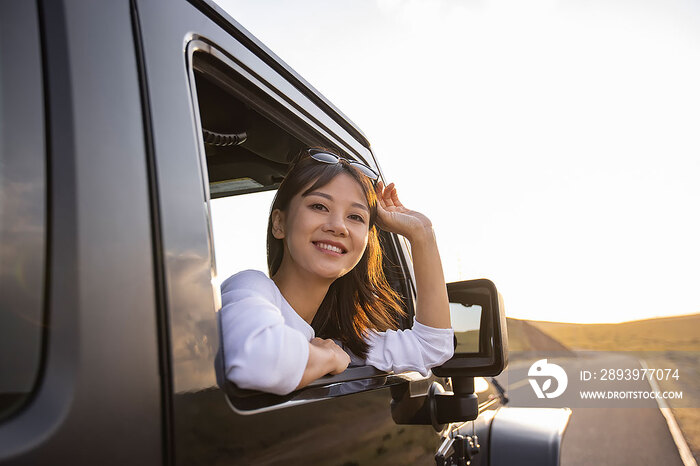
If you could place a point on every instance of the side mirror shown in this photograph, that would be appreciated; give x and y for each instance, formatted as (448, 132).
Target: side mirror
(479, 321)
(481, 349)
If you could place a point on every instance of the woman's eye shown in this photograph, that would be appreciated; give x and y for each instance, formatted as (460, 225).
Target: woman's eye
(322, 208)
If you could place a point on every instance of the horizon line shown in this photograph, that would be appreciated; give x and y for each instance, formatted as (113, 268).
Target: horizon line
(608, 323)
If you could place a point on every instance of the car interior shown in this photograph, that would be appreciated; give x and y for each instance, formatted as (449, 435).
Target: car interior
(245, 150)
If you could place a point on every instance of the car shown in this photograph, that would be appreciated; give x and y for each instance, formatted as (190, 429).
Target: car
(129, 129)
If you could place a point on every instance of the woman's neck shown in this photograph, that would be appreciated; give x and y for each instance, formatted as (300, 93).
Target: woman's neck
(303, 292)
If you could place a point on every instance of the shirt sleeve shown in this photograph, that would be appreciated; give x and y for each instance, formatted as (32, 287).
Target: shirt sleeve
(417, 349)
(260, 351)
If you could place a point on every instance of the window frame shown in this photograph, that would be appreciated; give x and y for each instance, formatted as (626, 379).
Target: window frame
(311, 128)
(24, 138)
(294, 119)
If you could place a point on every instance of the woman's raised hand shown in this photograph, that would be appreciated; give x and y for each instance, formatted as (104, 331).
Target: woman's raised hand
(338, 358)
(394, 217)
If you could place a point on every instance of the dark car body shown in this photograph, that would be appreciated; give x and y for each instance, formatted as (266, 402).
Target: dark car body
(113, 354)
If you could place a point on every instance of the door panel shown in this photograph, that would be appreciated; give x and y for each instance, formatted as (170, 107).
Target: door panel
(355, 429)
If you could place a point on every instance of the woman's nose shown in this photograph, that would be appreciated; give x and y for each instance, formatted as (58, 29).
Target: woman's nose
(336, 224)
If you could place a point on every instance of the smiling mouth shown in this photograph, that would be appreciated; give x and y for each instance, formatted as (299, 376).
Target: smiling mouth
(329, 248)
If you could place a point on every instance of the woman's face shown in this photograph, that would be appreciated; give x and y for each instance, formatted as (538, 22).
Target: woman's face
(326, 231)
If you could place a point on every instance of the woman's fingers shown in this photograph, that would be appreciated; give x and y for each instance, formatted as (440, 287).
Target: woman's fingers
(341, 359)
(395, 198)
(388, 197)
(388, 194)
(380, 193)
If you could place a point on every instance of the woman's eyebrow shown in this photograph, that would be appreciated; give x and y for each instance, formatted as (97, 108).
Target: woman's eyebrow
(330, 198)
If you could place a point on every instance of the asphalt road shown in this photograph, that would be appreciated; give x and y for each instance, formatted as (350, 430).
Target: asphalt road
(600, 432)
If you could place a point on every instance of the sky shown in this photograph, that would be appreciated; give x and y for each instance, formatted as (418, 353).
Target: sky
(553, 144)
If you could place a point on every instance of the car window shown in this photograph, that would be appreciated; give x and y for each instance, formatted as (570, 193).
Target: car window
(247, 142)
(22, 205)
(239, 229)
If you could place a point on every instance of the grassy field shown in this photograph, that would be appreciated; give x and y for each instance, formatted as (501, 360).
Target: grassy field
(523, 338)
(663, 334)
(670, 342)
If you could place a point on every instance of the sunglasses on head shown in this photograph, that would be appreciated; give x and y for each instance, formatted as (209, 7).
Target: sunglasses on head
(331, 158)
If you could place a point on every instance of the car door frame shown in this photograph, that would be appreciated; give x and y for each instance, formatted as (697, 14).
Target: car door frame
(190, 292)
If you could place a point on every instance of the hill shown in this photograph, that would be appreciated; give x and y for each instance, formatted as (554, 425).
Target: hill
(522, 336)
(680, 333)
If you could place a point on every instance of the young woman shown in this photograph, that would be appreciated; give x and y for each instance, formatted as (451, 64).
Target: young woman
(325, 264)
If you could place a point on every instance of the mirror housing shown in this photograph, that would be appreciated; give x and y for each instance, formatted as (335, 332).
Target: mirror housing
(486, 340)
(492, 356)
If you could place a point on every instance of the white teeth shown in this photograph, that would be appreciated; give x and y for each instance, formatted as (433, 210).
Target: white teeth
(329, 247)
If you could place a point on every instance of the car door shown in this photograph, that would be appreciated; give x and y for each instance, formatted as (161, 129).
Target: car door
(189, 56)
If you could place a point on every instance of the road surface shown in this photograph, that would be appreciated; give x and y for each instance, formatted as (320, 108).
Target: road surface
(600, 432)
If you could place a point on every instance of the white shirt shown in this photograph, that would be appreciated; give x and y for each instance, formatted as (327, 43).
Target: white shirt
(266, 343)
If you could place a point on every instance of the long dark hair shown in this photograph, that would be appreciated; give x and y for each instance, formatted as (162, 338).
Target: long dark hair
(360, 300)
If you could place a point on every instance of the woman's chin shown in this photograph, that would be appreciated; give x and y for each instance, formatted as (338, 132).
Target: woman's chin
(330, 273)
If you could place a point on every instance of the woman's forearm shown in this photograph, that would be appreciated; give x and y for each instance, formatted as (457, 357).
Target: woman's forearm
(432, 303)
